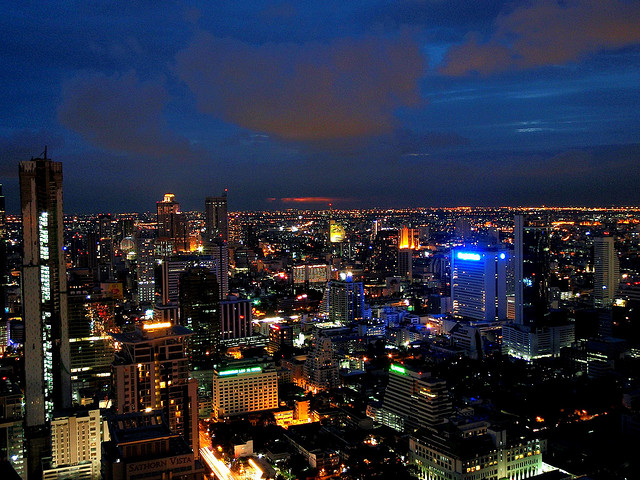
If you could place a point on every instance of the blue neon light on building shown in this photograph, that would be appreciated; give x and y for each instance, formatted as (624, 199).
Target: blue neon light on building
(468, 256)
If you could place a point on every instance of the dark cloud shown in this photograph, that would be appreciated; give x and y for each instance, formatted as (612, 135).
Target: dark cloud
(121, 114)
(317, 91)
(547, 32)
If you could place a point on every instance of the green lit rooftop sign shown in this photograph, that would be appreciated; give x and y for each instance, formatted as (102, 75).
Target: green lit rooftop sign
(239, 371)
(398, 369)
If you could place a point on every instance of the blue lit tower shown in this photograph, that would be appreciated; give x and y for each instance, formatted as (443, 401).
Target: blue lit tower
(531, 241)
(47, 374)
(346, 299)
(479, 284)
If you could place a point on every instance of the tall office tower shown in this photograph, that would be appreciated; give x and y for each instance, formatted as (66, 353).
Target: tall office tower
(413, 399)
(44, 291)
(244, 386)
(151, 372)
(479, 284)
(463, 228)
(236, 319)
(219, 251)
(11, 426)
(171, 223)
(173, 267)
(105, 248)
(216, 219)
(146, 260)
(321, 370)
(92, 349)
(606, 278)
(345, 299)
(126, 226)
(531, 241)
(4, 280)
(199, 312)
(408, 241)
(76, 440)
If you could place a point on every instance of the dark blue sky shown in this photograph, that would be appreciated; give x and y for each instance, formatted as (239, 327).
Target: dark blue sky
(368, 103)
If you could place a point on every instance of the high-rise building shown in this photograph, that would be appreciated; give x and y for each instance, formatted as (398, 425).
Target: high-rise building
(606, 278)
(151, 372)
(12, 441)
(220, 252)
(475, 450)
(172, 269)
(321, 370)
(200, 312)
(146, 263)
(413, 399)
(44, 291)
(171, 223)
(92, 349)
(141, 445)
(479, 284)
(345, 299)
(244, 386)
(216, 218)
(3, 262)
(531, 241)
(236, 316)
(76, 439)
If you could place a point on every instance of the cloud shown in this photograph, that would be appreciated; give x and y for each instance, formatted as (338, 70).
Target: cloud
(547, 32)
(121, 114)
(305, 92)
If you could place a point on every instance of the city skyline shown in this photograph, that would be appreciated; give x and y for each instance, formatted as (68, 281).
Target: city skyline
(370, 104)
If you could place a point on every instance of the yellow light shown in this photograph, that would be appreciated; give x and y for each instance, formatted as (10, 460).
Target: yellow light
(155, 326)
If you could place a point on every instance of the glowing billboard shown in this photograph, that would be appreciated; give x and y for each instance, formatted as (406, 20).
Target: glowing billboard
(336, 233)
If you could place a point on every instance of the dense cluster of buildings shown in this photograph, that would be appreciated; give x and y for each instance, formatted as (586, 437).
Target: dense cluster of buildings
(127, 339)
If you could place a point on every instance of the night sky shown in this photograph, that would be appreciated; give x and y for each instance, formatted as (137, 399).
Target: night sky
(296, 104)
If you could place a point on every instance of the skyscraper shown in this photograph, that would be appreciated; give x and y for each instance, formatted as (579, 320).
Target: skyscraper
(171, 223)
(607, 271)
(531, 241)
(44, 291)
(200, 312)
(151, 372)
(345, 299)
(479, 284)
(216, 219)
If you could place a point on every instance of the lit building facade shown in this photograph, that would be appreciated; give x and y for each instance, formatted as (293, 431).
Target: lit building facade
(12, 439)
(311, 274)
(151, 372)
(474, 452)
(531, 242)
(236, 316)
(479, 284)
(606, 278)
(413, 399)
(345, 300)
(76, 441)
(171, 223)
(200, 312)
(146, 263)
(44, 291)
(244, 386)
(216, 218)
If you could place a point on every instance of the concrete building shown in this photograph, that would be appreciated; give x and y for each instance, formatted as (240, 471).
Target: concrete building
(474, 451)
(236, 316)
(244, 386)
(413, 399)
(345, 300)
(151, 372)
(479, 284)
(12, 439)
(76, 441)
(216, 218)
(606, 278)
(529, 343)
(142, 445)
(321, 369)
